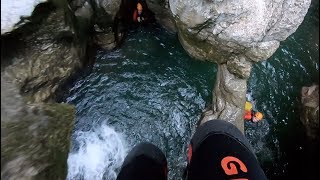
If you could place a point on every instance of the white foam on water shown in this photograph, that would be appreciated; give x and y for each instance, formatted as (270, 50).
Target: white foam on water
(101, 152)
(12, 10)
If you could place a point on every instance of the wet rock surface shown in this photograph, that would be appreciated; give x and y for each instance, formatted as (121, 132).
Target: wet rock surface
(105, 39)
(310, 110)
(37, 60)
(43, 60)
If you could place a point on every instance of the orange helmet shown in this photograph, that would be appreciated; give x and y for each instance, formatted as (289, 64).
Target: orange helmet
(258, 115)
(139, 7)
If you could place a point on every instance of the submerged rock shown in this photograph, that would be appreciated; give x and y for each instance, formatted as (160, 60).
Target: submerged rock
(235, 34)
(310, 110)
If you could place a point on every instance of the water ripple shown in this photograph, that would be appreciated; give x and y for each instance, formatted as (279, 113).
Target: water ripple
(144, 93)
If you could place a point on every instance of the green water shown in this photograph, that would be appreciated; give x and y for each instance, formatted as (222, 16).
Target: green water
(151, 90)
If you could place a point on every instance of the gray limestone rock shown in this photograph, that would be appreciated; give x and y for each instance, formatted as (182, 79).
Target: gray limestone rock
(111, 7)
(101, 12)
(238, 66)
(105, 39)
(43, 60)
(35, 138)
(252, 28)
(229, 97)
(234, 34)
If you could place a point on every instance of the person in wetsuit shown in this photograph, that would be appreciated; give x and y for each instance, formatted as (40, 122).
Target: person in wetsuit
(252, 115)
(131, 15)
(142, 15)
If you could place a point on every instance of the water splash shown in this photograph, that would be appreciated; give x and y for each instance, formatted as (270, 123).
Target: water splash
(100, 154)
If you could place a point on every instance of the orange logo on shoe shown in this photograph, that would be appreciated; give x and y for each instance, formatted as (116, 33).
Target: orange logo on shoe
(228, 164)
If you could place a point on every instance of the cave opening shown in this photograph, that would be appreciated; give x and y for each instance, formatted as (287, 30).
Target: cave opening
(131, 15)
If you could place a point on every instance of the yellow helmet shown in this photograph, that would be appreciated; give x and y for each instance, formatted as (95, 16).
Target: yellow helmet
(139, 7)
(248, 106)
(258, 115)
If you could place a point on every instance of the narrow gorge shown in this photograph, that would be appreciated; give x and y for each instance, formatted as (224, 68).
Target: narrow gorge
(79, 88)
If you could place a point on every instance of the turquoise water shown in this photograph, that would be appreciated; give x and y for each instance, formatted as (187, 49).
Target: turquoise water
(151, 90)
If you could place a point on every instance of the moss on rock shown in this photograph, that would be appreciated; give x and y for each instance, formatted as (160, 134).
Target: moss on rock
(35, 142)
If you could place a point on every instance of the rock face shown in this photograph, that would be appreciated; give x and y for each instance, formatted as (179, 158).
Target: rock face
(36, 60)
(229, 97)
(310, 110)
(234, 34)
(35, 138)
(42, 60)
(227, 28)
(163, 14)
(105, 39)
(83, 16)
(101, 12)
